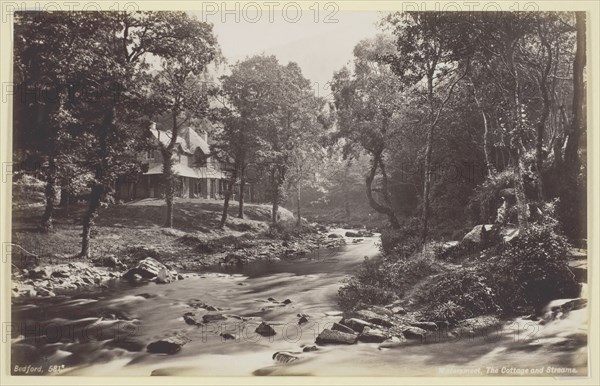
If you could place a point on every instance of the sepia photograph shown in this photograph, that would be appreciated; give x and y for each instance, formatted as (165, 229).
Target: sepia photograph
(246, 189)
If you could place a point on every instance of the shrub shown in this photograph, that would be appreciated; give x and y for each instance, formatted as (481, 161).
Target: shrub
(532, 270)
(402, 242)
(448, 311)
(287, 230)
(460, 294)
(372, 284)
(380, 281)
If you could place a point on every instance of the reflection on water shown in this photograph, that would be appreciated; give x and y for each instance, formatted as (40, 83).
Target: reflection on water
(105, 333)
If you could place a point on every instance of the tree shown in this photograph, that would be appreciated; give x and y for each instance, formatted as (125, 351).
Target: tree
(291, 115)
(118, 58)
(50, 57)
(369, 108)
(179, 91)
(427, 51)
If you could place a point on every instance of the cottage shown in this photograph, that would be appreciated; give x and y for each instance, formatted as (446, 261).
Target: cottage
(198, 174)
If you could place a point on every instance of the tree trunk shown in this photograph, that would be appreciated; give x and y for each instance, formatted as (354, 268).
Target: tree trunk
(372, 202)
(572, 196)
(65, 197)
(50, 194)
(298, 220)
(428, 152)
(426, 186)
(579, 124)
(228, 193)
(169, 185)
(486, 151)
(242, 188)
(100, 186)
(88, 220)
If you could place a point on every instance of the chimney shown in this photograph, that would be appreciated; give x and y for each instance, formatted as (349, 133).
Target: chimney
(152, 125)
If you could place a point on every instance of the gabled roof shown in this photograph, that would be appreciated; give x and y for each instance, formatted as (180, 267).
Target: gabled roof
(187, 139)
(186, 171)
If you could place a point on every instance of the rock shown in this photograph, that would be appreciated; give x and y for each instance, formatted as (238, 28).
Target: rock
(342, 328)
(271, 299)
(310, 348)
(476, 325)
(359, 234)
(335, 337)
(565, 305)
(128, 343)
(148, 268)
(475, 235)
(167, 346)
(509, 233)
(163, 277)
(398, 310)
(265, 330)
(286, 301)
(284, 357)
(303, 319)
(212, 317)
(429, 326)
(414, 333)
(357, 325)
(212, 308)
(45, 292)
(393, 342)
(334, 236)
(190, 319)
(334, 313)
(40, 273)
(372, 335)
(374, 318)
(381, 310)
(227, 336)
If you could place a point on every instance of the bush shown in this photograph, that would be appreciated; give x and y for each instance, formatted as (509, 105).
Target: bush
(381, 281)
(402, 242)
(458, 295)
(532, 270)
(288, 230)
(372, 284)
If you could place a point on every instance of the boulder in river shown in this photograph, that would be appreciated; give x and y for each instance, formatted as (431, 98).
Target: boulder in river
(303, 319)
(190, 319)
(429, 326)
(414, 333)
(356, 324)
(310, 348)
(334, 236)
(265, 330)
(169, 346)
(286, 301)
(285, 357)
(213, 317)
(335, 337)
(148, 268)
(342, 328)
(374, 318)
(372, 335)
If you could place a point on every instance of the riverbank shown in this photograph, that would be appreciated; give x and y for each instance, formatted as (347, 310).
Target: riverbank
(44, 263)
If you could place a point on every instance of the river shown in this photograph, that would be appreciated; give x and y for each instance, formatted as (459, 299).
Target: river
(75, 335)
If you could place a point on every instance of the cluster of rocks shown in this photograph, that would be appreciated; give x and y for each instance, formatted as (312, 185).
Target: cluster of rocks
(46, 280)
(152, 270)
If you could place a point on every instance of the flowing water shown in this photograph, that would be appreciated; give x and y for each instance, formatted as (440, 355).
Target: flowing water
(80, 335)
